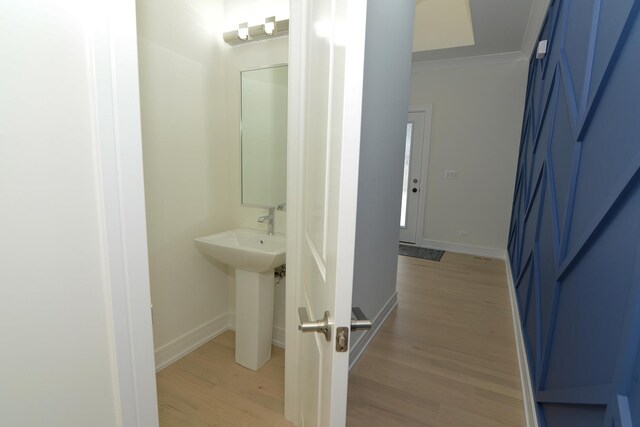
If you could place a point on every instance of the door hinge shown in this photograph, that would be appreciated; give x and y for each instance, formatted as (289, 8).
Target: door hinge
(342, 340)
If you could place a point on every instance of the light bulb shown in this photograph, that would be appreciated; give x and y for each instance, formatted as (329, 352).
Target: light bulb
(243, 31)
(270, 25)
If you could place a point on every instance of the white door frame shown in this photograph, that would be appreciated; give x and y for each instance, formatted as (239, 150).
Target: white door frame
(114, 70)
(427, 109)
(295, 156)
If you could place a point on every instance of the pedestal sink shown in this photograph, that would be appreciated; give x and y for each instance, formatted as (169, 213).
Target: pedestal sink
(254, 255)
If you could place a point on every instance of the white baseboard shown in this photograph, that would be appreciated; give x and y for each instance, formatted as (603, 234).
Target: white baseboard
(530, 413)
(232, 320)
(180, 347)
(359, 345)
(278, 332)
(278, 337)
(465, 249)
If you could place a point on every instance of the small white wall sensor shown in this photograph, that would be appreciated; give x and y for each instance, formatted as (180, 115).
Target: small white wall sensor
(542, 49)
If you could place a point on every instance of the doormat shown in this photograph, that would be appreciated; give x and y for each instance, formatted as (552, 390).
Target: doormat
(418, 252)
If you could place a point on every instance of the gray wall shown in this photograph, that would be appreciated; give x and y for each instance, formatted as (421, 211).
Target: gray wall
(384, 121)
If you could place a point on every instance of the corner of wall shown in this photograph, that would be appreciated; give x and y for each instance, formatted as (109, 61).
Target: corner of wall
(534, 24)
(531, 416)
(361, 342)
(186, 343)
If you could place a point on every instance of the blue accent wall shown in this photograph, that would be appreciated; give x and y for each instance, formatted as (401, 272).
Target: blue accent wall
(574, 242)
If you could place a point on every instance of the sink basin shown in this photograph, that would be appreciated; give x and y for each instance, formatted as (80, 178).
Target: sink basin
(244, 249)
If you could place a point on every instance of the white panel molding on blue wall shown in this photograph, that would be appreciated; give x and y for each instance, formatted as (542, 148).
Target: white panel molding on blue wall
(573, 241)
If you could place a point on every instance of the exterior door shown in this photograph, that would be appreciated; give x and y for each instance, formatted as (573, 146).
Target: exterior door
(412, 182)
(326, 79)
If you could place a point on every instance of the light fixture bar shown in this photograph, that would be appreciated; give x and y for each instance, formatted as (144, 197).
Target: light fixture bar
(258, 32)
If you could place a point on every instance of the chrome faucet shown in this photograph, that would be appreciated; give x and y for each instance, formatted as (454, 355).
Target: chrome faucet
(269, 218)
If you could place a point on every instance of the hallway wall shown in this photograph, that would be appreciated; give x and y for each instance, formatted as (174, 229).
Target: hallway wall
(575, 231)
(476, 123)
(384, 114)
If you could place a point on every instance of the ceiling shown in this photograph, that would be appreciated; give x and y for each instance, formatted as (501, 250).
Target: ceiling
(443, 24)
(499, 26)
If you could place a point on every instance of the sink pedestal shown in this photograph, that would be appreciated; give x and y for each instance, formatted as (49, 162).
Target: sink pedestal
(254, 255)
(254, 318)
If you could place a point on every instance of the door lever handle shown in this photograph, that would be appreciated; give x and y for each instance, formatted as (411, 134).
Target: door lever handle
(320, 326)
(361, 323)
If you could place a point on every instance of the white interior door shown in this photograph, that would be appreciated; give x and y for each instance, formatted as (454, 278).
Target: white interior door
(326, 79)
(413, 181)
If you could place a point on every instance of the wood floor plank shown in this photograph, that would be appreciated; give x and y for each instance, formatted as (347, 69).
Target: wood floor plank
(448, 349)
(207, 388)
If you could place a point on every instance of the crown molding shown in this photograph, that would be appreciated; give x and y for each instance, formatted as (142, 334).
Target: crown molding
(469, 61)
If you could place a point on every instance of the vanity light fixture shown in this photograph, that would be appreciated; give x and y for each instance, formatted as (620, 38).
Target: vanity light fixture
(270, 25)
(245, 33)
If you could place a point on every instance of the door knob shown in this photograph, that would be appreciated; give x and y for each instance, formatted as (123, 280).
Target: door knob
(361, 323)
(320, 326)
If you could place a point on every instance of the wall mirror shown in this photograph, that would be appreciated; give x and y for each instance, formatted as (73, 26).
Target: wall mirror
(264, 136)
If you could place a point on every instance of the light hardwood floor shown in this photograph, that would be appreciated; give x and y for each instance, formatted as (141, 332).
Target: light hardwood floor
(446, 356)
(207, 388)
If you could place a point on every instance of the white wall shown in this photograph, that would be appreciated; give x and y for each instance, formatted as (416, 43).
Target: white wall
(57, 361)
(253, 11)
(182, 86)
(384, 120)
(476, 122)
